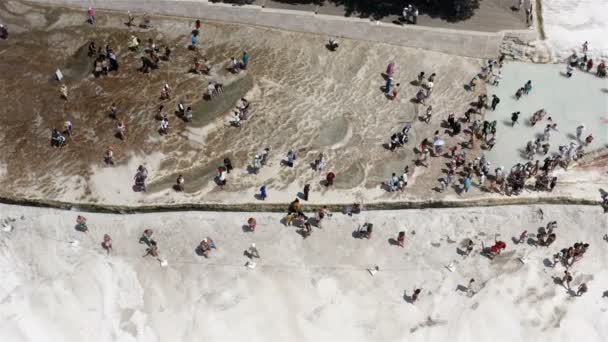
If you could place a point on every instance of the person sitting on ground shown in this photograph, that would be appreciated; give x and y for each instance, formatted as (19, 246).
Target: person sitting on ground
(133, 43)
(108, 156)
(251, 224)
(497, 248)
(81, 224)
(333, 44)
(179, 183)
(235, 66)
(205, 246)
(164, 126)
(236, 119)
(294, 207)
(57, 139)
(366, 230)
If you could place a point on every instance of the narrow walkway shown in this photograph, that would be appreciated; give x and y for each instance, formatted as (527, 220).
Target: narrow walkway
(456, 42)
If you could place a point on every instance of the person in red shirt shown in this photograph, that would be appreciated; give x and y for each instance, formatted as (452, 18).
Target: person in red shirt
(498, 247)
(589, 139)
(401, 239)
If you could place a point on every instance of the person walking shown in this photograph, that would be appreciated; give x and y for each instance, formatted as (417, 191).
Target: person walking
(253, 251)
(579, 132)
(91, 15)
(514, 118)
(107, 243)
(495, 102)
(263, 193)
(306, 191)
(401, 239)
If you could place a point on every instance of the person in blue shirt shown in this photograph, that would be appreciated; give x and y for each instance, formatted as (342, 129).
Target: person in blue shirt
(263, 193)
(245, 59)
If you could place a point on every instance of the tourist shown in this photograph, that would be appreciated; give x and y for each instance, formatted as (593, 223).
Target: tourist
(146, 21)
(188, 114)
(514, 118)
(245, 60)
(306, 192)
(388, 85)
(108, 156)
(495, 102)
(569, 71)
(263, 193)
(165, 92)
(91, 15)
(567, 279)
(193, 41)
(179, 183)
(221, 177)
(519, 93)
(228, 164)
(3, 32)
(130, 19)
(329, 179)
(121, 131)
(81, 224)
(205, 247)
(321, 214)
(579, 132)
(197, 24)
(107, 243)
(497, 78)
(164, 126)
(429, 113)
(63, 91)
(319, 163)
(333, 44)
(401, 239)
(253, 252)
(291, 158)
(251, 224)
(390, 69)
(589, 139)
(589, 65)
(466, 184)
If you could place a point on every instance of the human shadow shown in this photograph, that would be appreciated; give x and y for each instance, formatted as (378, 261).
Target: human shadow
(258, 197)
(461, 288)
(246, 228)
(547, 263)
(392, 242)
